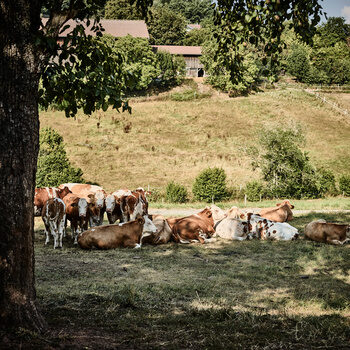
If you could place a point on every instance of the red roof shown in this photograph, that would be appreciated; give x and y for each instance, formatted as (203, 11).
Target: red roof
(116, 28)
(180, 50)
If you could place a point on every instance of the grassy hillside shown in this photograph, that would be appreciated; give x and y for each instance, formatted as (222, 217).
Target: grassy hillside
(171, 140)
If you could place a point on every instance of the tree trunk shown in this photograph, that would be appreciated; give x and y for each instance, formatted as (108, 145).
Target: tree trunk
(19, 142)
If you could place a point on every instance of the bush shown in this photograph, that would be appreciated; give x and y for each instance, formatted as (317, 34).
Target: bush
(327, 182)
(344, 185)
(156, 195)
(254, 191)
(54, 167)
(210, 185)
(298, 62)
(176, 193)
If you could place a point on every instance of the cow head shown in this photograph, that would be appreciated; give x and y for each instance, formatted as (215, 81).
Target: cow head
(110, 203)
(285, 202)
(62, 192)
(218, 213)
(235, 213)
(148, 226)
(100, 199)
(82, 207)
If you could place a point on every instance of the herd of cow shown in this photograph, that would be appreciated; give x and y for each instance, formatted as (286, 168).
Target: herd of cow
(84, 205)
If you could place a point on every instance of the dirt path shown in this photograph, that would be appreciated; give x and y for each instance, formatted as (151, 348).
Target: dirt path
(178, 212)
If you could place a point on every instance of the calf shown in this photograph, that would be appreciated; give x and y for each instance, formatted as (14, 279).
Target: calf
(41, 195)
(327, 232)
(54, 217)
(262, 228)
(128, 234)
(77, 213)
(163, 233)
(194, 228)
(281, 213)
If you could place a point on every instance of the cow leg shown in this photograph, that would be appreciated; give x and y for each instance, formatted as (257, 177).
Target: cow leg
(53, 229)
(137, 246)
(346, 241)
(61, 230)
(47, 233)
(334, 241)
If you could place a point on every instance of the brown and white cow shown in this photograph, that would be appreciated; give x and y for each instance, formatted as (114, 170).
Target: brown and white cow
(42, 194)
(163, 233)
(195, 228)
(132, 205)
(128, 234)
(281, 213)
(77, 213)
(327, 232)
(265, 229)
(95, 196)
(54, 218)
(113, 206)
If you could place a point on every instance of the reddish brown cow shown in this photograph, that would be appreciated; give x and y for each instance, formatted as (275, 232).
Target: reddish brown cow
(41, 195)
(194, 228)
(129, 234)
(77, 213)
(281, 213)
(328, 232)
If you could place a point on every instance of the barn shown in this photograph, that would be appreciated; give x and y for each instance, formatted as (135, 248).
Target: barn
(191, 54)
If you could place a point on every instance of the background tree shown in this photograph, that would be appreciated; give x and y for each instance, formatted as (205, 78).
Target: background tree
(54, 167)
(193, 10)
(122, 9)
(335, 30)
(27, 51)
(166, 27)
(260, 22)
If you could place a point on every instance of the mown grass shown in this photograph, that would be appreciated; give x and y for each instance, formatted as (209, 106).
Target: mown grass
(222, 295)
(174, 141)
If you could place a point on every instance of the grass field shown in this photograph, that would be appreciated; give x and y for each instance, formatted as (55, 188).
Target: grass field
(222, 295)
(171, 140)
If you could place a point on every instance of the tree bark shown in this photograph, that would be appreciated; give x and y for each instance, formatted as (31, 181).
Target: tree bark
(19, 143)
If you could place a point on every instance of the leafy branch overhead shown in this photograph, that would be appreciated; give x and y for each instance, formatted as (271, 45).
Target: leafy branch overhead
(82, 72)
(260, 22)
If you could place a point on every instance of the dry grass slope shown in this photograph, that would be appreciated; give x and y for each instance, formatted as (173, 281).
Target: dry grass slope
(171, 140)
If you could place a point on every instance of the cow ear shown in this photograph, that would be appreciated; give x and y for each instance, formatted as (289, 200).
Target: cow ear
(74, 205)
(91, 195)
(278, 204)
(140, 219)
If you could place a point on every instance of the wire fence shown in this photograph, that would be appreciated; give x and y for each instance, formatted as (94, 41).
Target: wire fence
(333, 104)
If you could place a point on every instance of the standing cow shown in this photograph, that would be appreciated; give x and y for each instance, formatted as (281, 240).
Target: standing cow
(95, 196)
(54, 218)
(77, 213)
(113, 206)
(42, 194)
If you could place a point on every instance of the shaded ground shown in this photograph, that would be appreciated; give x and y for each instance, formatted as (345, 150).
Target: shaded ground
(223, 295)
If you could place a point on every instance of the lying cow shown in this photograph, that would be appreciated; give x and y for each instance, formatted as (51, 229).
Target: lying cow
(234, 229)
(163, 233)
(95, 196)
(129, 234)
(327, 232)
(77, 213)
(54, 218)
(41, 195)
(281, 213)
(265, 229)
(195, 228)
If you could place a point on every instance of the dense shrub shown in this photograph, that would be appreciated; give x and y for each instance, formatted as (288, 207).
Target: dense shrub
(210, 185)
(156, 195)
(54, 167)
(344, 185)
(254, 191)
(176, 193)
(298, 62)
(327, 182)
